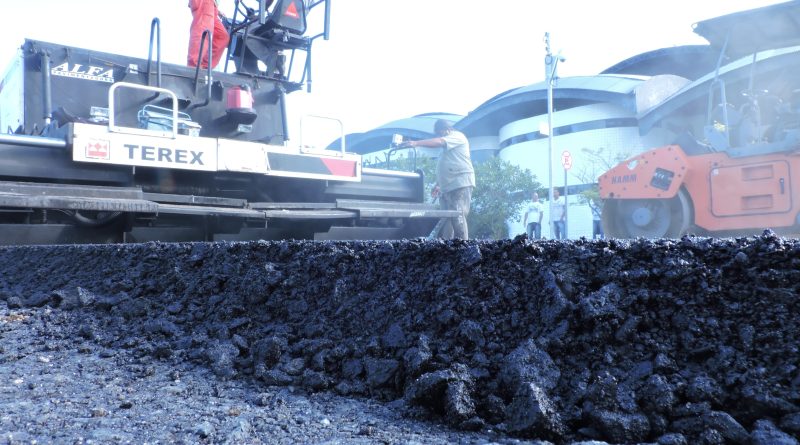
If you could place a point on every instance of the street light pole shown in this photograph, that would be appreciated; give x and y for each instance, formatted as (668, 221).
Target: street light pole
(550, 62)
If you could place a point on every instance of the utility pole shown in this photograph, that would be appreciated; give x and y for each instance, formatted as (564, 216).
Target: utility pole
(550, 64)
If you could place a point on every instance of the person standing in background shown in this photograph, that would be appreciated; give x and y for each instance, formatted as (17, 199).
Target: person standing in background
(534, 213)
(558, 217)
(597, 211)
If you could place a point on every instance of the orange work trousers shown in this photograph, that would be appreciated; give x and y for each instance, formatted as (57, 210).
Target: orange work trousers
(206, 16)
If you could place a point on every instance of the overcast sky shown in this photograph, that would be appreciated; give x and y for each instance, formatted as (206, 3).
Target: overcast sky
(392, 59)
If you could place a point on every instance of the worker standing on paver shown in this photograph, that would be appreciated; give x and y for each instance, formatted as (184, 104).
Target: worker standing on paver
(455, 176)
(206, 16)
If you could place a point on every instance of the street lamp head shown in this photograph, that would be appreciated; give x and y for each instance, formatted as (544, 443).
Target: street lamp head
(549, 59)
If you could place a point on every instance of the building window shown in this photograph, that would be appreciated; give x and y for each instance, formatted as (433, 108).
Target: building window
(617, 122)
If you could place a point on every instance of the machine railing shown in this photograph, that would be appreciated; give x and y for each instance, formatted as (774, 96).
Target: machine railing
(208, 36)
(155, 28)
(394, 150)
(273, 42)
(128, 130)
(341, 128)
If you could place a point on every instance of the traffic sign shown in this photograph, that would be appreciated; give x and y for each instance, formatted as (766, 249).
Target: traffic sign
(566, 160)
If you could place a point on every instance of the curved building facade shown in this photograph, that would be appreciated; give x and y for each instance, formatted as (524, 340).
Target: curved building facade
(649, 100)
(594, 122)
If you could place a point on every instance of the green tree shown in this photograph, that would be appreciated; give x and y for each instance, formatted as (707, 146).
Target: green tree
(600, 161)
(501, 191)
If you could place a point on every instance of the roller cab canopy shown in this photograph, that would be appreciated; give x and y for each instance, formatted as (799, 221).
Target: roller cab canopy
(748, 32)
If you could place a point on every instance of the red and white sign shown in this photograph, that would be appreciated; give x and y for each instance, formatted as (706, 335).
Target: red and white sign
(566, 160)
(291, 11)
(97, 149)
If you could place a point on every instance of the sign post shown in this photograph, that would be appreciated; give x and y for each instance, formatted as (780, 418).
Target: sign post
(566, 162)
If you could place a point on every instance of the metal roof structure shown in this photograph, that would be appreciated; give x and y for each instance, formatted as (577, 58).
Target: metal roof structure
(775, 71)
(688, 61)
(531, 100)
(748, 32)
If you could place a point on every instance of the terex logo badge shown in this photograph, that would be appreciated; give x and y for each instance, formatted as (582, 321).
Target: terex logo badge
(164, 155)
(85, 72)
(97, 149)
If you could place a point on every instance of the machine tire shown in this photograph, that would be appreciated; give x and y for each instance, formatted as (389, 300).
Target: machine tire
(648, 218)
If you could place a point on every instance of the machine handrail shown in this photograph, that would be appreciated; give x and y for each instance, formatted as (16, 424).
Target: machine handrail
(395, 150)
(208, 35)
(155, 27)
(111, 115)
(341, 128)
(276, 39)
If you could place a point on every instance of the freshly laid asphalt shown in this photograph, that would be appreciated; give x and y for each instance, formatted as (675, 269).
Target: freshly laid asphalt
(647, 341)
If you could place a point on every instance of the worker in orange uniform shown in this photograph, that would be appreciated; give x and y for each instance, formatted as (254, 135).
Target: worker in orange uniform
(206, 15)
